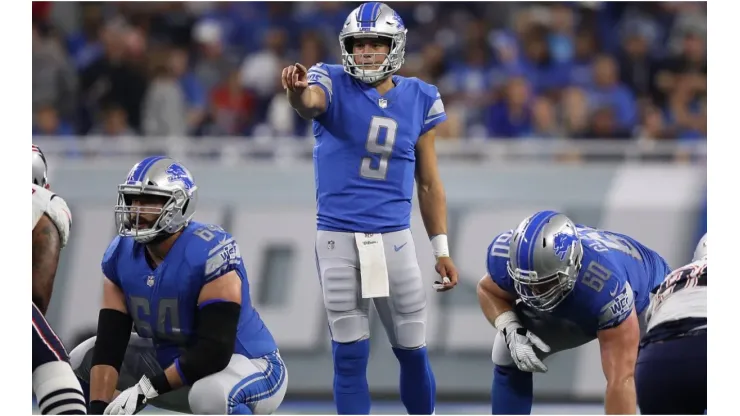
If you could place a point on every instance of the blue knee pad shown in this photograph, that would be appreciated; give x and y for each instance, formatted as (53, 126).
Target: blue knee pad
(351, 393)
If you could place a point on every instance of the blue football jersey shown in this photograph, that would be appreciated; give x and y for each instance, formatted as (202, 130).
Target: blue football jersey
(364, 157)
(163, 302)
(617, 273)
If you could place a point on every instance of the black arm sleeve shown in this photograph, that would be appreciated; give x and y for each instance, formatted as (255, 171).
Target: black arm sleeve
(114, 332)
(215, 330)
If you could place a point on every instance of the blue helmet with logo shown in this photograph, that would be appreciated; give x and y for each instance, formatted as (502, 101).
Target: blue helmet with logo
(545, 256)
(158, 198)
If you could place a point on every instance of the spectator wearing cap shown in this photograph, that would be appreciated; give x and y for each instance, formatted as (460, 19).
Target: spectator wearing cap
(213, 63)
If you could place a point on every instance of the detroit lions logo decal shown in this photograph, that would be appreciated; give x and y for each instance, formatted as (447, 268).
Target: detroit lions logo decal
(561, 243)
(131, 178)
(175, 172)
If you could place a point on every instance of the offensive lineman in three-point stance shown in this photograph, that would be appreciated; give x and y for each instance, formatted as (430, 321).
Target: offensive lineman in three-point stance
(553, 285)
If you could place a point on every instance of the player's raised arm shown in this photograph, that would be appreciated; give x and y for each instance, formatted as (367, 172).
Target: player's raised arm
(619, 345)
(114, 332)
(433, 206)
(309, 101)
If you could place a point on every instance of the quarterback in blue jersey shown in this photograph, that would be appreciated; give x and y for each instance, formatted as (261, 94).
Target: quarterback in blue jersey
(553, 285)
(199, 345)
(375, 135)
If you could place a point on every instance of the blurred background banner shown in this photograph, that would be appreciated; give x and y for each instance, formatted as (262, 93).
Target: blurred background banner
(597, 109)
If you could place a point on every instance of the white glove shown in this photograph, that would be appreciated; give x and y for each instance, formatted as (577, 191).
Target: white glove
(521, 342)
(133, 399)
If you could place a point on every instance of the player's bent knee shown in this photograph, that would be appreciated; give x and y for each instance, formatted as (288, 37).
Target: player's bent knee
(410, 335)
(348, 328)
(208, 397)
(77, 356)
(57, 389)
(270, 404)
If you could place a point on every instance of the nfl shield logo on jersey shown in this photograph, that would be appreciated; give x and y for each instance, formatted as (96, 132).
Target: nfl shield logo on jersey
(150, 281)
(383, 103)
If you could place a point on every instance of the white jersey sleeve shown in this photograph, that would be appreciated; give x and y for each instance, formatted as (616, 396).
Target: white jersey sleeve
(51, 204)
(683, 294)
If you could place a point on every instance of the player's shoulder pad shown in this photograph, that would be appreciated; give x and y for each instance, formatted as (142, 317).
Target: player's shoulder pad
(60, 213)
(56, 208)
(433, 107)
(212, 251)
(496, 259)
(324, 76)
(430, 91)
(109, 264)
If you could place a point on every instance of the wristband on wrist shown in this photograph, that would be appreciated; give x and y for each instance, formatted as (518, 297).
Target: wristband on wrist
(439, 246)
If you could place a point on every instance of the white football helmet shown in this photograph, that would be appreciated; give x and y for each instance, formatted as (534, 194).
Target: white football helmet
(373, 20)
(38, 167)
(701, 249)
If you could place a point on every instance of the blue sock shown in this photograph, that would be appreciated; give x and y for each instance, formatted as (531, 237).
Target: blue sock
(351, 393)
(241, 409)
(418, 387)
(511, 391)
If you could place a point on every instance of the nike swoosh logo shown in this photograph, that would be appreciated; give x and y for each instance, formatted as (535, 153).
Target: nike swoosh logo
(430, 119)
(398, 248)
(614, 292)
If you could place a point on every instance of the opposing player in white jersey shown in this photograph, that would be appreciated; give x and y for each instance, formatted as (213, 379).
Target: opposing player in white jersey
(54, 383)
(375, 134)
(671, 371)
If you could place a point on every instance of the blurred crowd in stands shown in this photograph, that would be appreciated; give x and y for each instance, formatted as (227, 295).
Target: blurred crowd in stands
(505, 70)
